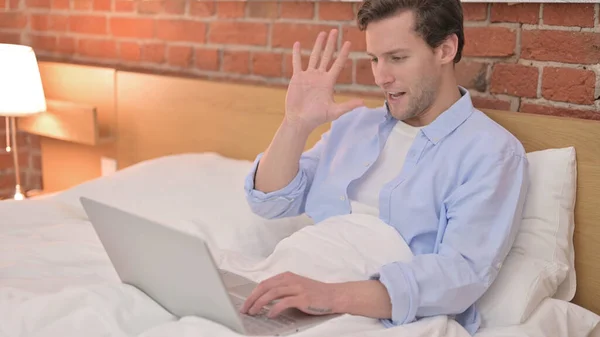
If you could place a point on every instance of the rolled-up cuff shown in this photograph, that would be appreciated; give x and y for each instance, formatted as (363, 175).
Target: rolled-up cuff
(288, 193)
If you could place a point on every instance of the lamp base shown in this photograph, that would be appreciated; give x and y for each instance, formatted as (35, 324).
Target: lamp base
(18, 193)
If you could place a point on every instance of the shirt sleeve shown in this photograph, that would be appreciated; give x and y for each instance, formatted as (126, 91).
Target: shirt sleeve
(291, 199)
(483, 217)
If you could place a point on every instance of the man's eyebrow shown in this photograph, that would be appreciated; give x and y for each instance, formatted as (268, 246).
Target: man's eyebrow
(393, 51)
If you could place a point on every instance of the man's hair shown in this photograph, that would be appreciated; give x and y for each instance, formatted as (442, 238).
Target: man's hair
(435, 20)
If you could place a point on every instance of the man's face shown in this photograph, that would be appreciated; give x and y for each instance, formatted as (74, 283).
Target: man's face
(403, 65)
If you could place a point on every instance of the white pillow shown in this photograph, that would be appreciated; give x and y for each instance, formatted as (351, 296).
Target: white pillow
(202, 193)
(552, 318)
(541, 262)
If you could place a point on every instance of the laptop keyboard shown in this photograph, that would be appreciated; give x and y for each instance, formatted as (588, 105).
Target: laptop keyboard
(260, 322)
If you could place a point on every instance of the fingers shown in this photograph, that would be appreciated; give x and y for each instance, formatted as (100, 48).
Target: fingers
(296, 58)
(271, 295)
(262, 289)
(286, 303)
(316, 52)
(342, 108)
(338, 65)
(329, 48)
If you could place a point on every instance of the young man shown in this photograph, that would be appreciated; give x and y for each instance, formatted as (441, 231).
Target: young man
(448, 178)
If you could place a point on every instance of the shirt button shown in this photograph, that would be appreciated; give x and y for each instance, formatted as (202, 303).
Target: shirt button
(342, 198)
(367, 164)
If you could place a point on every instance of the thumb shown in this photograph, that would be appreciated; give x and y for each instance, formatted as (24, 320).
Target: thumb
(342, 108)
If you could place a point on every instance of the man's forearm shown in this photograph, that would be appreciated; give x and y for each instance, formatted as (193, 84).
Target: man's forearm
(363, 298)
(280, 162)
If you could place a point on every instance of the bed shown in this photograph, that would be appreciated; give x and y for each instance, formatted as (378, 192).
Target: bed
(184, 147)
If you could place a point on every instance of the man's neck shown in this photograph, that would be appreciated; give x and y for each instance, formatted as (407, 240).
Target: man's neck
(447, 96)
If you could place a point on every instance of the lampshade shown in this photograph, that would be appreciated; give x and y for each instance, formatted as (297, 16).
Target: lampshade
(21, 91)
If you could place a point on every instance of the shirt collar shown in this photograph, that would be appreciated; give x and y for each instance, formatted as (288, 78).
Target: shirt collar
(449, 120)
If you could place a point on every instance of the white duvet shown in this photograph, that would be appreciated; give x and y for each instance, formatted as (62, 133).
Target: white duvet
(56, 279)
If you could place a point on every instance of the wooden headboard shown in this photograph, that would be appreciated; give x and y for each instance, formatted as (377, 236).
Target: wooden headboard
(162, 115)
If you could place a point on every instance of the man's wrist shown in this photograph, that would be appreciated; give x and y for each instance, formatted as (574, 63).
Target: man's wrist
(342, 297)
(297, 126)
(362, 298)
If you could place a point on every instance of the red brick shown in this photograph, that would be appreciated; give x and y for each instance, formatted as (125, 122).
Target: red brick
(297, 10)
(36, 162)
(174, 6)
(102, 5)
(558, 111)
(230, 10)
(336, 11)
(472, 75)
(561, 46)
(345, 76)
(87, 24)
(356, 37)
(15, 20)
(83, 5)
(515, 80)
(267, 64)
(475, 11)
(234, 32)
(490, 103)
(263, 9)
(61, 4)
(153, 52)
(6, 159)
(42, 42)
(202, 8)
(181, 30)
(65, 45)
(284, 34)
(37, 3)
(132, 27)
(522, 13)
(97, 48)
(489, 41)
(236, 62)
(14, 38)
(562, 14)
(8, 5)
(124, 6)
(364, 72)
(569, 85)
(150, 7)
(179, 56)
(130, 51)
(45, 22)
(207, 59)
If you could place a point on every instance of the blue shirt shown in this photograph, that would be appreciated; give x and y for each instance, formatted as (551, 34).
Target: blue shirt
(457, 202)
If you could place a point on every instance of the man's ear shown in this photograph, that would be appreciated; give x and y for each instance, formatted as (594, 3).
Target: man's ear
(448, 49)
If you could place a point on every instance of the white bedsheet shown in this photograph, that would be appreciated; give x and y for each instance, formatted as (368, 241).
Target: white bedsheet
(56, 280)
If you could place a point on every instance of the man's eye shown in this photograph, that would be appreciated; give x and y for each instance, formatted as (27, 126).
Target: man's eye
(374, 60)
(397, 58)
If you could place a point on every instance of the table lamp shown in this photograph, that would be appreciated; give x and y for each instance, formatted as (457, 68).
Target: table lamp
(21, 94)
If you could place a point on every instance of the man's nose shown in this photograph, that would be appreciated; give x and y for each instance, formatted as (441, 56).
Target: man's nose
(382, 75)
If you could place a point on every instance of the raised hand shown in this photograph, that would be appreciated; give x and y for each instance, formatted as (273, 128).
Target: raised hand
(309, 99)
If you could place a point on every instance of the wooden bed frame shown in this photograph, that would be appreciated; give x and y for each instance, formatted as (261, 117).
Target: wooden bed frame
(162, 115)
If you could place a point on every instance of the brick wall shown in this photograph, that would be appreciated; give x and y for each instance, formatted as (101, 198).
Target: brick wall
(539, 58)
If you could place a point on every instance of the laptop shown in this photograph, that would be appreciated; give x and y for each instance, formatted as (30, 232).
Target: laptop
(178, 272)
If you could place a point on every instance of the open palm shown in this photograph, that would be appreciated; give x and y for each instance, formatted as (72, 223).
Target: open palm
(309, 97)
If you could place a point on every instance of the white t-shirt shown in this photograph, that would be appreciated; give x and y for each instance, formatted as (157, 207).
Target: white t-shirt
(364, 191)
